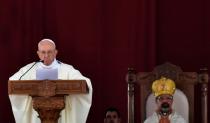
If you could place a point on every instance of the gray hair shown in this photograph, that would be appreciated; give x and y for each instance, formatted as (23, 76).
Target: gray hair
(47, 40)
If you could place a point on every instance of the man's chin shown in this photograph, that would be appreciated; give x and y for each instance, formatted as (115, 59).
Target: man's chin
(47, 63)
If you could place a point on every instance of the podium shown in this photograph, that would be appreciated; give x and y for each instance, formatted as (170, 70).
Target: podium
(48, 95)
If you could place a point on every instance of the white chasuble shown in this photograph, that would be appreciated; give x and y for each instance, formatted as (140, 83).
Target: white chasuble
(77, 106)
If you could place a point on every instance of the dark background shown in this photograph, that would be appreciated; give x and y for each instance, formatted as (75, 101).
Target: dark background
(102, 38)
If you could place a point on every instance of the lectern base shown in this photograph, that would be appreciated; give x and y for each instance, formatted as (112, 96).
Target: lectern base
(48, 108)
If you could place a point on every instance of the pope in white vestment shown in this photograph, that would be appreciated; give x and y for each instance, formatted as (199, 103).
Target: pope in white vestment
(77, 106)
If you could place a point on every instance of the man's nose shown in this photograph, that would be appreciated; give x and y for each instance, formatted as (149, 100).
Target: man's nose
(46, 55)
(164, 101)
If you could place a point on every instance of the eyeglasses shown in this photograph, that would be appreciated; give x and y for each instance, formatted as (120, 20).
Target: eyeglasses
(161, 98)
(49, 52)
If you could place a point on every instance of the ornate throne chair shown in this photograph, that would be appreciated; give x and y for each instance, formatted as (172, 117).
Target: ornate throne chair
(142, 102)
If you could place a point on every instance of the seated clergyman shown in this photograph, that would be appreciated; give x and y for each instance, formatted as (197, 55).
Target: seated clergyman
(163, 90)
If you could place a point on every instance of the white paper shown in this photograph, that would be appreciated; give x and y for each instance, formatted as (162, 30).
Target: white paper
(47, 74)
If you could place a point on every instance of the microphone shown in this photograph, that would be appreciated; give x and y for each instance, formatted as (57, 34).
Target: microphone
(30, 68)
(59, 62)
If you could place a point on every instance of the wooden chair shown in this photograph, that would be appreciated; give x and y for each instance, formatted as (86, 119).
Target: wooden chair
(192, 85)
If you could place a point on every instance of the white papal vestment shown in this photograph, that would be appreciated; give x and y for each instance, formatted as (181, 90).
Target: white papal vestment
(174, 118)
(77, 106)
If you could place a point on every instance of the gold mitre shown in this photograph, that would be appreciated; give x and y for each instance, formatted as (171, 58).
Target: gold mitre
(163, 86)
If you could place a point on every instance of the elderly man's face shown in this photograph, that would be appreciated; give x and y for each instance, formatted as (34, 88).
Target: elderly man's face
(47, 52)
(165, 98)
(112, 117)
